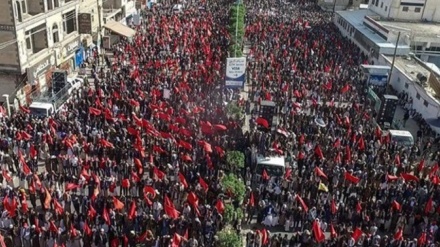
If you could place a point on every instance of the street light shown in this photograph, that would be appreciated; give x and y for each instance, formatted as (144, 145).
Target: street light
(8, 106)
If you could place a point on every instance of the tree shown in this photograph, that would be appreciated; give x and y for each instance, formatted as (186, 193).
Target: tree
(234, 185)
(229, 238)
(235, 159)
(234, 111)
(236, 29)
(231, 214)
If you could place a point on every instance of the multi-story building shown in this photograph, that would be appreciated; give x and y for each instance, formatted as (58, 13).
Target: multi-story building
(39, 36)
(376, 29)
(119, 10)
(341, 4)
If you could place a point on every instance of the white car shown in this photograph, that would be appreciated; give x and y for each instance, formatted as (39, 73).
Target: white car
(75, 84)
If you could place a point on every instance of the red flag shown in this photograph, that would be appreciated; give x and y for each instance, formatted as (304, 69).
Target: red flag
(265, 176)
(345, 88)
(318, 152)
(351, 178)
(333, 233)
(32, 151)
(87, 229)
(58, 207)
(183, 180)
(333, 207)
(6, 175)
(53, 227)
(361, 144)
(396, 206)
(91, 212)
(251, 199)
(132, 212)
(159, 174)
(94, 111)
(106, 216)
(398, 235)
(220, 206)
(149, 190)
(118, 204)
(303, 204)
(391, 177)
(428, 206)
(358, 207)
(193, 199)
(320, 173)
(204, 185)
(408, 177)
(397, 160)
(171, 212)
(422, 239)
(357, 234)
(337, 143)
(2, 241)
(264, 236)
(317, 232)
(71, 186)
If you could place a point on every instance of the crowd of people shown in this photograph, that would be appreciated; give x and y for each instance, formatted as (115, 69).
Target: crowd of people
(136, 156)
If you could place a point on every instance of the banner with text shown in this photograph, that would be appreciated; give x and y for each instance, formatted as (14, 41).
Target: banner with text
(235, 72)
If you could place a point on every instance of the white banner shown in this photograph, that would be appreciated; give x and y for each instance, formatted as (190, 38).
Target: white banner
(235, 72)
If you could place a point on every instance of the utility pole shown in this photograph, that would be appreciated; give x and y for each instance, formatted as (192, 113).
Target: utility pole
(392, 64)
(100, 26)
(334, 6)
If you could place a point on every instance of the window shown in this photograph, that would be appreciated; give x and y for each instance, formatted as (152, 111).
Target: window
(418, 96)
(406, 85)
(425, 103)
(19, 11)
(49, 4)
(386, 8)
(55, 34)
(381, 5)
(28, 40)
(377, 3)
(372, 2)
(405, 9)
(417, 10)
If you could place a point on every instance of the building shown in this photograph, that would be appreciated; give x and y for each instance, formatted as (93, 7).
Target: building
(420, 80)
(90, 25)
(379, 26)
(119, 10)
(39, 36)
(341, 4)
(370, 36)
(407, 10)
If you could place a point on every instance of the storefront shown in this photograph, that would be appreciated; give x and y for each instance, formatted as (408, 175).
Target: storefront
(68, 55)
(41, 73)
(79, 57)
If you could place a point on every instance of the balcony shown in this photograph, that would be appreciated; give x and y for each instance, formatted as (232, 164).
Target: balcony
(38, 18)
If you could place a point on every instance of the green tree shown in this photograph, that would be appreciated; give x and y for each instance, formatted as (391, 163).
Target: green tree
(234, 185)
(228, 237)
(231, 213)
(235, 159)
(234, 111)
(237, 29)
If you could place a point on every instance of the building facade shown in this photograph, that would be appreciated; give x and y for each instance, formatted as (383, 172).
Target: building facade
(119, 10)
(40, 36)
(341, 4)
(407, 10)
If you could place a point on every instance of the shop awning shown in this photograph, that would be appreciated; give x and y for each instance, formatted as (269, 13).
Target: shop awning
(120, 29)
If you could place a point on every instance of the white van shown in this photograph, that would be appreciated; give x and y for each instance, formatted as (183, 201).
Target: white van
(275, 166)
(41, 109)
(401, 138)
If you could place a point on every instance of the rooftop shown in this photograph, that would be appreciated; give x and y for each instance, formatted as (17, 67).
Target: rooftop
(356, 19)
(419, 29)
(411, 67)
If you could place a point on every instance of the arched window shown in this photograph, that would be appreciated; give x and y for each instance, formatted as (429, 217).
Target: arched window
(56, 3)
(19, 11)
(55, 33)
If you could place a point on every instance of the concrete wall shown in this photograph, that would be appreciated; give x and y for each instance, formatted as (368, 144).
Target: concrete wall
(432, 11)
(9, 54)
(91, 7)
(6, 12)
(394, 9)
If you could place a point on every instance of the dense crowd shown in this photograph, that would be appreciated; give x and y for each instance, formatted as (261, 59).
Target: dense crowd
(135, 158)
